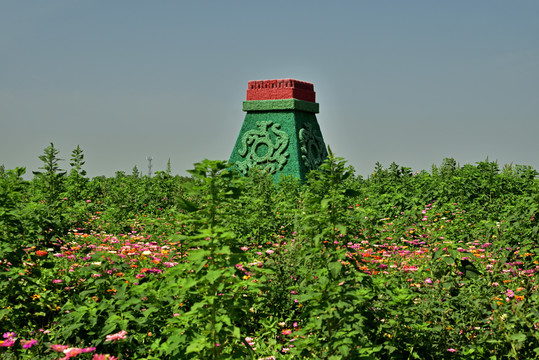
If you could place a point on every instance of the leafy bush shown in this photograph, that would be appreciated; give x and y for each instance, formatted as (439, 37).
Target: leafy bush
(399, 265)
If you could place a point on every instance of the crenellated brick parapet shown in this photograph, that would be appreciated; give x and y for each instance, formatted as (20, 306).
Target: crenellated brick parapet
(280, 89)
(280, 133)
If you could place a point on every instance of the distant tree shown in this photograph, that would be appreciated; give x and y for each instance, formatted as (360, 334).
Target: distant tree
(135, 172)
(52, 177)
(168, 171)
(76, 181)
(77, 160)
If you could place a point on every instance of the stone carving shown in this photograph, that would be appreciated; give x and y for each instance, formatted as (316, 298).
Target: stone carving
(313, 150)
(264, 147)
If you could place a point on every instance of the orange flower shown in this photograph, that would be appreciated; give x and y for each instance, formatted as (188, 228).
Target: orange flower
(41, 253)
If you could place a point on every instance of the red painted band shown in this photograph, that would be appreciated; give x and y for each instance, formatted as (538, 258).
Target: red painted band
(280, 89)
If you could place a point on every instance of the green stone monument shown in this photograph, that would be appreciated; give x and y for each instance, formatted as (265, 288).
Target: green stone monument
(280, 133)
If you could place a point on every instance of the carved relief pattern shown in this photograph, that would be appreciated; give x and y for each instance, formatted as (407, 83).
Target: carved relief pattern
(313, 150)
(264, 147)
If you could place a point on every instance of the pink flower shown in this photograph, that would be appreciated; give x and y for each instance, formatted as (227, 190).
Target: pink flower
(510, 293)
(7, 343)
(104, 357)
(452, 350)
(10, 335)
(71, 352)
(269, 251)
(27, 344)
(59, 348)
(57, 281)
(118, 336)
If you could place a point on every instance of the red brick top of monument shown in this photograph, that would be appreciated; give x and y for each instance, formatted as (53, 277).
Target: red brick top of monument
(280, 89)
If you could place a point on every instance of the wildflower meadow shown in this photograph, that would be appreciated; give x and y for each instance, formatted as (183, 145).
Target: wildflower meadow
(438, 264)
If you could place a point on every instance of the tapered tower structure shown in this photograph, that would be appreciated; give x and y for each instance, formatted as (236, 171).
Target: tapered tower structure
(280, 133)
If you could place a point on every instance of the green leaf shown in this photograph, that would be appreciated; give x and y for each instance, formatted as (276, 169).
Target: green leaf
(335, 268)
(218, 327)
(344, 349)
(186, 205)
(225, 250)
(437, 254)
(213, 275)
(471, 273)
(187, 283)
(520, 337)
(225, 319)
(108, 329)
(324, 203)
(195, 346)
(341, 228)
(449, 260)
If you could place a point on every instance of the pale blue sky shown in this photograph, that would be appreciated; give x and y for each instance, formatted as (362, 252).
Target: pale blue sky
(405, 81)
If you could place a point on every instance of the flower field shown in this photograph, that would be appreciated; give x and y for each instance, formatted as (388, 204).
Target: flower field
(401, 265)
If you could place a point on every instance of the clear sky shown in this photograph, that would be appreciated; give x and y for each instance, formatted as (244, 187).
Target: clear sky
(410, 82)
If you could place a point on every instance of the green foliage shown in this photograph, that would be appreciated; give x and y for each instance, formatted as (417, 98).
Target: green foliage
(401, 265)
(256, 217)
(50, 184)
(12, 222)
(214, 319)
(76, 182)
(51, 179)
(327, 199)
